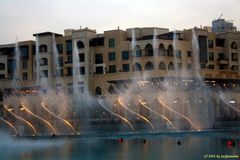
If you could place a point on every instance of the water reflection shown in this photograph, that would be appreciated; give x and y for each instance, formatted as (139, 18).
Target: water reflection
(191, 146)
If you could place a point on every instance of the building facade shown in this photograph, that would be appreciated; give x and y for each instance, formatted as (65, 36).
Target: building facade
(114, 58)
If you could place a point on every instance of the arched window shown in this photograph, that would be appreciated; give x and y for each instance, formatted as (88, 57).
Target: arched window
(234, 45)
(2, 66)
(112, 90)
(149, 66)
(161, 50)
(43, 62)
(80, 44)
(98, 91)
(137, 51)
(43, 48)
(148, 50)
(137, 67)
(170, 51)
(170, 66)
(162, 66)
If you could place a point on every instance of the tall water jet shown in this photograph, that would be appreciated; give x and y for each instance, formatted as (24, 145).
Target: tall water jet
(155, 44)
(37, 58)
(195, 49)
(175, 53)
(16, 68)
(41, 78)
(80, 89)
(55, 54)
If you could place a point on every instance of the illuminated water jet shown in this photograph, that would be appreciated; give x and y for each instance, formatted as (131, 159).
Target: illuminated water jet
(181, 115)
(135, 113)
(117, 115)
(58, 117)
(10, 125)
(40, 118)
(21, 119)
(157, 113)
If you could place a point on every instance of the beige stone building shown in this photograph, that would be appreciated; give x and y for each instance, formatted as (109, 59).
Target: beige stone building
(111, 60)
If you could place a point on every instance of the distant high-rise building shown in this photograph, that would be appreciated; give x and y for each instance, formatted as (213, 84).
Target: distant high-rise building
(220, 25)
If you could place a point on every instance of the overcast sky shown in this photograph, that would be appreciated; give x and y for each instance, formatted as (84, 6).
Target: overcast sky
(22, 18)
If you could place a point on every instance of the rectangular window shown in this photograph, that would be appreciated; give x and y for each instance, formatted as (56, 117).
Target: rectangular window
(211, 56)
(178, 54)
(82, 70)
(60, 48)
(25, 76)
(24, 64)
(69, 46)
(234, 57)
(69, 59)
(125, 55)
(98, 58)
(1, 99)
(234, 67)
(189, 66)
(111, 56)
(44, 74)
(179, 65)
(203, 66)
(222, 56)
(81, 57)
(112, 69)
(220, 42)
(203, 49)
(111, 43)
(125, 67)
(60, 61)
(69, 71)
(99, 70)
(70, 90)
(189, 53)
(24, 52)
(59, 73)
(210, 66)
(2, 76)
(210, 43)
(81, 89)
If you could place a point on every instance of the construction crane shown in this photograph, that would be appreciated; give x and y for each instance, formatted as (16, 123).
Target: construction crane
(220, 16)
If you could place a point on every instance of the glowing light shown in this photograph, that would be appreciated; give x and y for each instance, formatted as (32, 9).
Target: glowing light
(185, 117)
(58, 117)
(157, 113)
(117, 115)
(135, 113)
(10, 125)
(21, 119)
(232, 101)
(40, 118)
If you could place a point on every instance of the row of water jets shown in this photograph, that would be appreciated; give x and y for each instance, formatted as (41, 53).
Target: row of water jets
(122, 99)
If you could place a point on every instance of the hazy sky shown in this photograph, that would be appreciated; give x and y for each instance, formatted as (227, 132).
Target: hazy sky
(22, 18)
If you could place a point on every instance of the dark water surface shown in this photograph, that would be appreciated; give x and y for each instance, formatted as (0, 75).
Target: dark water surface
(174, 146)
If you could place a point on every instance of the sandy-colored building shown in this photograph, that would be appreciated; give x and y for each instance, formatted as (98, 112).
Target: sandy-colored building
(114, 58)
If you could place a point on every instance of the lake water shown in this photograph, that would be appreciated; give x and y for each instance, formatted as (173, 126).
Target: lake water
(169, 146)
